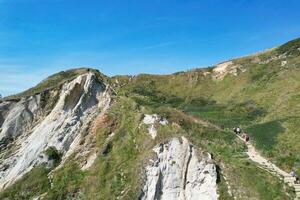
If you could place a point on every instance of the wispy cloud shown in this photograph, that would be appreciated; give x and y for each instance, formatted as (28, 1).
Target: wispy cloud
(159, 45)
(17, 78)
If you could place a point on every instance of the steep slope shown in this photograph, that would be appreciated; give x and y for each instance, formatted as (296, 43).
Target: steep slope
(55, 119)
(157, 136)
(260, 93)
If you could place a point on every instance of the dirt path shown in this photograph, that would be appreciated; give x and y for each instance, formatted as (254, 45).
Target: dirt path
(260, 160)
(270, 167)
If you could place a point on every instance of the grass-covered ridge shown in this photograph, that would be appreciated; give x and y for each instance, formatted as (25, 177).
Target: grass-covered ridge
(31, 185)
(264, 99)
(118, 171)
(55, 81)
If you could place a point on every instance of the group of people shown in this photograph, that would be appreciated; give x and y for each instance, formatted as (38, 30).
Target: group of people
(244, 135)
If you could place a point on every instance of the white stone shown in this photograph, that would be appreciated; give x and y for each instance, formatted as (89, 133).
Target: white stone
(79, 102)
(222, 69)
(178, 173)
(283, 63)
(151, 120)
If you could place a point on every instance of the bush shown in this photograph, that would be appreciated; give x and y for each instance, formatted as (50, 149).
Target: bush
(54, 155)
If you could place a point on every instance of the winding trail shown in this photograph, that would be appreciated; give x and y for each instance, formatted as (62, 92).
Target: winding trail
(270, 167)
(261, 162)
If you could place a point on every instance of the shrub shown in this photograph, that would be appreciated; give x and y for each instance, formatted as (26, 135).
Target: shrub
(54, 155)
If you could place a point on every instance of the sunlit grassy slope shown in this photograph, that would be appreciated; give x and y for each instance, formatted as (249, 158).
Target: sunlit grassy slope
(55, 81)
(264, 100)
(118, 174)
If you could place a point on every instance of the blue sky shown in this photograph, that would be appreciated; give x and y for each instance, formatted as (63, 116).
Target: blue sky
(41, 37)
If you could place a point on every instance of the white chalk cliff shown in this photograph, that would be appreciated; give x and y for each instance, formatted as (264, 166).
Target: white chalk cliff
(180, 173)
(30, 126)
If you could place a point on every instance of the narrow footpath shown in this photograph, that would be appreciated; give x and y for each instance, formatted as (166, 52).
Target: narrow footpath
(262, 162)
(270, 167)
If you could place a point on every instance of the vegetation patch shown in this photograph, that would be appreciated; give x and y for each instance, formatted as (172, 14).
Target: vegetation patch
(54, 155)
(66, 182)
(32, 184)
(265, 135)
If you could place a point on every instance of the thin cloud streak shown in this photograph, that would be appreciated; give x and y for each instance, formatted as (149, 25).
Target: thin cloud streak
(15, 78)
(159, 45)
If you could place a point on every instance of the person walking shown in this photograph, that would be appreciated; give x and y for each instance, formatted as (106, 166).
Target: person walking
(238, 130)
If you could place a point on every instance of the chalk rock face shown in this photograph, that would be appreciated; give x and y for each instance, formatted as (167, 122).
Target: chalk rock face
(222, 69)
(180, 172)
(19, 118)
(4, 107)
(31, 130)
(151, 121)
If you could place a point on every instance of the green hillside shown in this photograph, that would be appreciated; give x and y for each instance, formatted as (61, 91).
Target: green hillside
(263, 99)
(260, 93)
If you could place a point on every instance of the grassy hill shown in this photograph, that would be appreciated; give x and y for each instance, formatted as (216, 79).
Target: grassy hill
(260, 93)
(54, 81)
(263, 97)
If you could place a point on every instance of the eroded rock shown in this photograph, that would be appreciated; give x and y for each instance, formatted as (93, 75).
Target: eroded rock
(79, 102)
(151, 121)
(229, 67)
(180, 172)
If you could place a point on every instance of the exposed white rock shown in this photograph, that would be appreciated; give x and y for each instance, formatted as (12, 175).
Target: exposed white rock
(163, 121)
(283, 63)
(222, 69)
(151, 120)
(273, 58)
(206, 73)
(20, 117)
(4, 108)
(89, 162)
(79, 102)
(180, 173)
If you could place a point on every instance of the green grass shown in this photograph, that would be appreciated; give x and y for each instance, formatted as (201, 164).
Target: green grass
(66, 182)
(263, 93)
(119, 173)
(246, 180)
(264, 99)
(32, 184)
(290, 47)
(265, 135)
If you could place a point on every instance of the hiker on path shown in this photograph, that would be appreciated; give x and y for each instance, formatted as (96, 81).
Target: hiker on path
(247, 138)
(237, 130)
(293, 174)
(234, 130)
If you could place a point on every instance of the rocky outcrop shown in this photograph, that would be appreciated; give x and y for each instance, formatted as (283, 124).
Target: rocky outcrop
(152, 121)
(30, 130)
(4, 107)
(180, 172)
(222, 69)
(19, 118)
